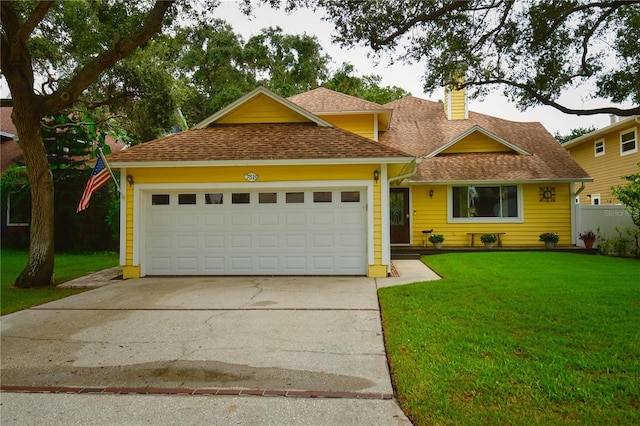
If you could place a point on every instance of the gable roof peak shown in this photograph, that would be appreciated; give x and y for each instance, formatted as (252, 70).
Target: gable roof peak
(258, 91)
(326, 100)
(476, 128)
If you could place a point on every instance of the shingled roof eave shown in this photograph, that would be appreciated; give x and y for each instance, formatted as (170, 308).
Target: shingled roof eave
(260, 162)
(500, 180)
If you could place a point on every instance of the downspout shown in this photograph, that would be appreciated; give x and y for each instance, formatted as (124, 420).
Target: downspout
(414, 170)
(575, 214)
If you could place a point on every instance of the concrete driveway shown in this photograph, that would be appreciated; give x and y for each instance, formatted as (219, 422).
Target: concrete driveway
(314, 344)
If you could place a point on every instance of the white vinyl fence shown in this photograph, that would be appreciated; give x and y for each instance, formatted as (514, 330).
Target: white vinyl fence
(606, 218)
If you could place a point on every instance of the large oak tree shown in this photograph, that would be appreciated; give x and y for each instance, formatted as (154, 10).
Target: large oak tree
(71, 44)
(536, 49)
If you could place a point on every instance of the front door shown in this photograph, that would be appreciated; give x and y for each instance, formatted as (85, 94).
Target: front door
(399, 215)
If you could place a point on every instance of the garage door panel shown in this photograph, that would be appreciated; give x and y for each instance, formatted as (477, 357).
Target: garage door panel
(268, 264)
(268, 219)
(295, 241)
(186, 220)
(324, 263)
(187, 265)
(240, 241)
(213, 242)
(268, 241)
(160, 241)
(240, 264)
(314, 236)
(323, 218)
(213, 219)
(350, 240)
(158, 220)
(241, 219)
(350, 218)
(295, 263)
(161, 264)
(214, 264)
(188, 242)
(323, 241)
(295, 219)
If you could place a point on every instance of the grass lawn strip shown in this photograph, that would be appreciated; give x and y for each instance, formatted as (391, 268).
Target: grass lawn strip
(67, 267)
(517, 338)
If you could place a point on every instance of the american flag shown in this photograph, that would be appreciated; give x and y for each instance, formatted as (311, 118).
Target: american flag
(99, 177)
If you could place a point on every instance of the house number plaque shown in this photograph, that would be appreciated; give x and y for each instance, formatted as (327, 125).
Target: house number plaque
(251, 177)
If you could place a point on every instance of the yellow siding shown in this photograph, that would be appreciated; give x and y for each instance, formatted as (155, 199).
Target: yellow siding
(539, 217)
(129, 231)
(377, 225)
(360, 124)
(606, 170)
(477, 142)
(262, 109)
(265, 173)
(456, 102)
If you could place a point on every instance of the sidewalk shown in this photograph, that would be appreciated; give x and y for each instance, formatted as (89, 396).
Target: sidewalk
(408, 271)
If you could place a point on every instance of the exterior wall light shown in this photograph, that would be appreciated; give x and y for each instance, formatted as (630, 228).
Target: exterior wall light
(431, 193)
(376, 175)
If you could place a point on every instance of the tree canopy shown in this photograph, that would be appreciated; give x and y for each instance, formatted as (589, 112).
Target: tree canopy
(535, 50)
(629, 195)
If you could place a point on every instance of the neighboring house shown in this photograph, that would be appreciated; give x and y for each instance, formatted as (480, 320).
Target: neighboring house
(325, 183)
(607, 154)
(11, 153)
(15, 223)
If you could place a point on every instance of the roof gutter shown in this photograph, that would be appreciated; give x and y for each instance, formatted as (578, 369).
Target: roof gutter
(599, 132)
(582, 186)
(414, 170)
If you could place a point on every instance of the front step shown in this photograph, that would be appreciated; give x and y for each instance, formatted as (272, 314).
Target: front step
(404, 256)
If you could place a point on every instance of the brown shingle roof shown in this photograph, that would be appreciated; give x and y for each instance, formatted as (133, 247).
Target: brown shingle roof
(420, 127)
(326, 100)
(277, 141)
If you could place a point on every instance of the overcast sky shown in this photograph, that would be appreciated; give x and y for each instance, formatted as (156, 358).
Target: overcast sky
(405, 76)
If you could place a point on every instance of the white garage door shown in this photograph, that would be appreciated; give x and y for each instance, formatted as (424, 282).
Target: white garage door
(265, 232)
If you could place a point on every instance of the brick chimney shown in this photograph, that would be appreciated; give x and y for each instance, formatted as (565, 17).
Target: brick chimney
(456, 106)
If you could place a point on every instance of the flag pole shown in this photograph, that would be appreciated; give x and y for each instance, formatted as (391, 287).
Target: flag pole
(104, 160)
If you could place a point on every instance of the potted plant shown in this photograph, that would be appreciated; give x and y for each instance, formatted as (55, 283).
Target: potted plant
(488, 240)
(550, 239)
(437, 240)
(588, 237)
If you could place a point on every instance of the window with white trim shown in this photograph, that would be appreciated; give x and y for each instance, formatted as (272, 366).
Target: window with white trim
(485, 203)
(598, 148)
(628, 142)
(595, 199)
(18, 209)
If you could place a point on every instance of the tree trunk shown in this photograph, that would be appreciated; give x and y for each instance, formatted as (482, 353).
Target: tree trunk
(39, 269)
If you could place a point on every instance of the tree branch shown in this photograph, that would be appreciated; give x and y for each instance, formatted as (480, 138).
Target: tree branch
(546, 101)
(33, 20)
(377, 43)
(65, 96)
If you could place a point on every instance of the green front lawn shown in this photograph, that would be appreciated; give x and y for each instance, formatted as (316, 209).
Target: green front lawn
(517, 338)
(68, 267)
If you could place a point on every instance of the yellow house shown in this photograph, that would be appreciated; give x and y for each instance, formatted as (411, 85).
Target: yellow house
(607, 155)
(263, 187)
(476, 173)
(326, 183)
